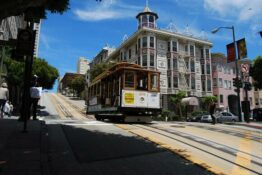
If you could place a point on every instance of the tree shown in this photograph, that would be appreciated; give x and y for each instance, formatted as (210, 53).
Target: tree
(37, 7)
(208, 100)
(46, 73)
(256, 72)
(78, 84)
(98, 69)
(177, 100)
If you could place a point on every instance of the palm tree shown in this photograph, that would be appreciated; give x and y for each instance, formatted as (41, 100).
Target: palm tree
(177, 100)
(208, 100)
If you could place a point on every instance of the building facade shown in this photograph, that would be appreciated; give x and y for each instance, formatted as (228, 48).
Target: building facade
(82, 65)
(184, 61)
(223, 74)
(257, 98)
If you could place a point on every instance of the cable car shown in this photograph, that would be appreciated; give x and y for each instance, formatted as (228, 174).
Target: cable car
(125, 92)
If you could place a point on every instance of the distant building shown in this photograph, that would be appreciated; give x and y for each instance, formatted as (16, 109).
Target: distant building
(223, 74)
(82, 65)
(37, 28)
(183, 60)
(64, 82)
(103, 55)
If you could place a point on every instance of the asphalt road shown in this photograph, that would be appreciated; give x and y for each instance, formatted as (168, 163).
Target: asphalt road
(78, 145)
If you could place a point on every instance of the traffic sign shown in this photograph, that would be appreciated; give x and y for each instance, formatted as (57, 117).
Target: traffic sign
(244, 68)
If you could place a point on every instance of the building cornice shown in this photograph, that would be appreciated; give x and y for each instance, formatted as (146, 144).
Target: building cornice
(161, 33)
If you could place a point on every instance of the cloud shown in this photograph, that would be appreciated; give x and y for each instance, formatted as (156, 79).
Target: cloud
(110, 9)
(242, 10)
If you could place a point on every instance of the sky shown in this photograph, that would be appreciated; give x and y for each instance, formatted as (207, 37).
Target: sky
(89, 25)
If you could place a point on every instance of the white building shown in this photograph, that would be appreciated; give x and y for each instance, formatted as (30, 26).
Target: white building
(183, 60)
(82, 65)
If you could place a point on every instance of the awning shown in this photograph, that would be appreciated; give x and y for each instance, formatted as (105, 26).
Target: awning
(193, 101)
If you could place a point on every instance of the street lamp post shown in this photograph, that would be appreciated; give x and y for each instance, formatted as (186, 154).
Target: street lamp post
(236, 64)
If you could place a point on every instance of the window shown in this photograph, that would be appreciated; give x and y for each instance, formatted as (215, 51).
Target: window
(192, 50)
(207, 54)
(139, 45)
(98, 89)
(202, 68)
(260, 101)
(193, 83)
(154, 82)
(151, 18)
(257, 101)
(192, 65)
(129, 79)
(175, 82)
(129, 53)
(186, 48)
(136, 49)
(174, 48)
(203, 86)
(169, 64)
(229, 84)
(221, 98)
(168, 46)
(152, 60)
(121, 55)
(142, 81)
(208, 68)
(174, 64)
(152, 42)
(220, 82)
(144, 19)
(208, 85)
(144, 60)
(219, 68)
(201, 53)
(214, 82)
(169, 82)
(144, 42)
(225, 84)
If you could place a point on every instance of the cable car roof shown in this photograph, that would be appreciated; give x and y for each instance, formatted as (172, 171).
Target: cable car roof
(121, 66)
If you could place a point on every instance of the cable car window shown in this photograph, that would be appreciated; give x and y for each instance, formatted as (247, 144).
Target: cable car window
(129, 79)
(154, 82)
(142, 81)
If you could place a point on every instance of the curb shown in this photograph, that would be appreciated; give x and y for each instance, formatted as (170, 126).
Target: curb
(246, 125)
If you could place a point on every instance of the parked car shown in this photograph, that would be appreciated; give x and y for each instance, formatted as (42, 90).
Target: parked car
(196, 118)
(257, 114)
(206, 118)
(226, 117)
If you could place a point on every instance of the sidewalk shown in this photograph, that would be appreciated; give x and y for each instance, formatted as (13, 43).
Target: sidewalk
(22, 153)
(254, 125)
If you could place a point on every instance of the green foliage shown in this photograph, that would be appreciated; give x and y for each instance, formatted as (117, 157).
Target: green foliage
(78, 84)
(98, 69)
(177, 101)
(46, 73)
(36, 8)
(208, 100)
(257, 72)
(15, 72)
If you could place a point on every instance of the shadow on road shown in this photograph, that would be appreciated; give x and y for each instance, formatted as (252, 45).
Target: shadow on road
(105, 149)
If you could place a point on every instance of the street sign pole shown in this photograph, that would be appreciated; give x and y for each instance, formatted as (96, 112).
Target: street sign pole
(237, 74)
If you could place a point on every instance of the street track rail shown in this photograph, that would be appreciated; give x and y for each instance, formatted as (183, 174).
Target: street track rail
(61, 107)
(230, 132)
(78, 109)
(220, 147)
